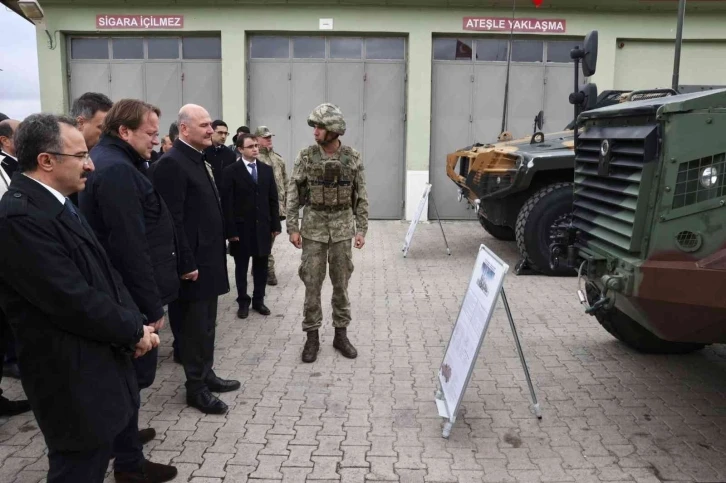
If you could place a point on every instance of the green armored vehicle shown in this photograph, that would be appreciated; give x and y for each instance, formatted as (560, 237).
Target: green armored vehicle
(648, 231)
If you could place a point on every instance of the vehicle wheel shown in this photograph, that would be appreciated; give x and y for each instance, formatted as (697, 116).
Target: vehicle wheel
(536, 222)
(499, 232)
(628, 331)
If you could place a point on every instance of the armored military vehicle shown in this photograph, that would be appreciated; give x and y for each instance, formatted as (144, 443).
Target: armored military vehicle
(522, 189)
(648, 232)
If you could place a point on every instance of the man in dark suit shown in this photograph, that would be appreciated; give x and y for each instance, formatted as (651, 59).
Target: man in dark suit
(133, 224)
(218, 155)
(76, 325)
(252, 214)
(9, 164)
(184, 180)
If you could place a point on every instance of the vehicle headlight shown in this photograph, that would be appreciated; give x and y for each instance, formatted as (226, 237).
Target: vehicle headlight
(709, 177)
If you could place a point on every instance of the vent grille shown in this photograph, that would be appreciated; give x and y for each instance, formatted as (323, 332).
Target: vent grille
(608, 189)
(690, 187)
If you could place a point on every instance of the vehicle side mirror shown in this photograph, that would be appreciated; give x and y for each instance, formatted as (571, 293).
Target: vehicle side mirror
(585, 97)
(538, 120)
(587, 54)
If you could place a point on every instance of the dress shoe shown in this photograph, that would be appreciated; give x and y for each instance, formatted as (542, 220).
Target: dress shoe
(312, 346)
(11, 369)
(150, 473)
(207, 402)
(341, 342)
(12, 408)
(261, 308)
(271, 278)
(243, 312)
(217, 384)
(146, 435)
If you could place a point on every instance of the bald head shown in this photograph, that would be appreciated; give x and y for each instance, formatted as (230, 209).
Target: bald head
(195, 126)
(7, 132)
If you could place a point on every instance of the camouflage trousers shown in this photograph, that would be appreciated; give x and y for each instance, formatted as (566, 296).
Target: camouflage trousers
(338, 259)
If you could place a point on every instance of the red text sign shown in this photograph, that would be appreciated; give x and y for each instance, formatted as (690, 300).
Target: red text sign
(503, 24)
(139, 21)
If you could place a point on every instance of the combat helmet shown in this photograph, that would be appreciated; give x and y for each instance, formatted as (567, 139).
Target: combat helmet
(329, 117)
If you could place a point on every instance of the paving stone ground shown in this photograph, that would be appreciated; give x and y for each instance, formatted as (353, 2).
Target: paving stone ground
(609, 413)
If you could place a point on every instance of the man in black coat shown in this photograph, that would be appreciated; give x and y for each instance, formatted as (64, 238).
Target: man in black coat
(133, 224)
(218, 155)
(76, 326)
(184, 180)
(252, 214)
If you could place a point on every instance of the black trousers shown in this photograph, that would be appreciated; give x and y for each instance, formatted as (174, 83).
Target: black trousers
(195, 322)
(76, 466)
(5, 333)
(259, 278)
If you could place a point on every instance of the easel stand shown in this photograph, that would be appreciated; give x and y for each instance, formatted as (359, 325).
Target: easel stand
(414, 222)
(462, 351)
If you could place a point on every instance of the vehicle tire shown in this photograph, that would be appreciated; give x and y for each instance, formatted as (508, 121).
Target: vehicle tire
(634, 335)
(549, 206)
(499, 232)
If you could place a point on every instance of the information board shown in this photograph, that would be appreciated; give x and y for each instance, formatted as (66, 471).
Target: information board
(416, 217)
(468, 333)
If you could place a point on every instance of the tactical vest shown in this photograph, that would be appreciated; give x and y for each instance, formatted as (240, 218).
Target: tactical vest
(330, 182)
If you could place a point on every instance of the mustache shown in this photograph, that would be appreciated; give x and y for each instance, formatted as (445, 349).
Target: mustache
(84, 175)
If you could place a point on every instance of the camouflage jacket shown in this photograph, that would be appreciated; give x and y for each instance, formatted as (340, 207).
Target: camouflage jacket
(324, 226)
(271, 158)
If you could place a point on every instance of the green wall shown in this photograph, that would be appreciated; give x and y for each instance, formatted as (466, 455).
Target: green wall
(418, 24)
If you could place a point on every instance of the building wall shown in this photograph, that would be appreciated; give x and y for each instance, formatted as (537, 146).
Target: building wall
(419, 24)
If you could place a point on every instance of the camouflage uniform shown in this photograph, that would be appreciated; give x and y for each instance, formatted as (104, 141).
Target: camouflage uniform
(332, 191)
(271, 158)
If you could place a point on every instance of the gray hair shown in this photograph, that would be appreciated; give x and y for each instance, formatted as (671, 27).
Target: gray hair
(89, 104)
(39, 133)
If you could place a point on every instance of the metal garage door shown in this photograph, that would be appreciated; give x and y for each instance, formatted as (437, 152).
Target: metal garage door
(365, 77)
(649, 64)
(469, 78)
(165, 71)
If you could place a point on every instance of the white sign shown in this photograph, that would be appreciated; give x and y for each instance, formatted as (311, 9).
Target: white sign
(326, 24)
(414, 222)
(468, 333)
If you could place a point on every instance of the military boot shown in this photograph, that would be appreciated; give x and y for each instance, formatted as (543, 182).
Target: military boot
(341, 342)
(312, 346)
(271, 277)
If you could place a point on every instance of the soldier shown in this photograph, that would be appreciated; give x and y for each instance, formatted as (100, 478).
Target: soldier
(328, 180)
(271, 158)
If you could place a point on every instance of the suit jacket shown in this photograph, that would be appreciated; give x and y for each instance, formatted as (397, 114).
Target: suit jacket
(75, 323)
(183, 179)
(252, 210)
(8, 163)
(219, 157)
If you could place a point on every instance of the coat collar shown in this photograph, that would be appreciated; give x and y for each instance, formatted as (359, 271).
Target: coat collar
(44, 200)
(130, 153)
(189, 151)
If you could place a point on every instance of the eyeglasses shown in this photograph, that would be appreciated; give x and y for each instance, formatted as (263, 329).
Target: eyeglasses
(86, 157)
(250, 146)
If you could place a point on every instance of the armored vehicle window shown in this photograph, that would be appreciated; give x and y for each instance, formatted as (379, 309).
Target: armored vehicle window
(202, 48)
(161, 48)
(385, 49)
(491, 49)
(527, 50)
(270, 47)
(128, 48)
(452, 49)
(89, 48)
(559, 51)
(345, 48)
(308, 47)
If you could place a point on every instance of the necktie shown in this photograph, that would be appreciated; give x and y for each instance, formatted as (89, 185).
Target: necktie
(69, 206)
(253, 167)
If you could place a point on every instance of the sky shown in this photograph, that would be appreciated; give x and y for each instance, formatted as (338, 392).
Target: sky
(19, 86)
